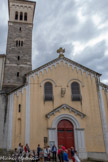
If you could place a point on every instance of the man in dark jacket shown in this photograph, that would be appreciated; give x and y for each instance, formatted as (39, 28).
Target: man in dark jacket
(54, 152)
(38, 150)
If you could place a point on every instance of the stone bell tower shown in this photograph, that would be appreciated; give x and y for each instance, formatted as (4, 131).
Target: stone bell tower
(19, 42)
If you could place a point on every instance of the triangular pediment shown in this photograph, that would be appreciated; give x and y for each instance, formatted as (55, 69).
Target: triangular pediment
(64, 106)
(65, 61)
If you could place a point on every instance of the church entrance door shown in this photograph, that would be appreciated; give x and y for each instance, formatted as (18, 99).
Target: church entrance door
(65, 131)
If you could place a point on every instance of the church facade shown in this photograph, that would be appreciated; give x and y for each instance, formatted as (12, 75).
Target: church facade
(61, 102)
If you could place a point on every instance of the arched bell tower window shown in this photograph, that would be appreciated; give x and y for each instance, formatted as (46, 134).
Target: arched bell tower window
(48, 91)
(17, 43)
(16, 15)
(21, 16)
(25, 16)
(75, 90)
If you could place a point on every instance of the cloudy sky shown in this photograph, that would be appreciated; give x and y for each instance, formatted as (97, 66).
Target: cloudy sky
(79, 26)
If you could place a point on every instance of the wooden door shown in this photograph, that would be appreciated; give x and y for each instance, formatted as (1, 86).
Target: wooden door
(65, 131)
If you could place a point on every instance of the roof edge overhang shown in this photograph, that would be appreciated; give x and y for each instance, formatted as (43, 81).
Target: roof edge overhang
(103, 85)
(65, 59)
(2, 55)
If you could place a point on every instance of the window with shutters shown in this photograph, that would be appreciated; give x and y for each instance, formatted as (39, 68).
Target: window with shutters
(75, 90)
(48, 91)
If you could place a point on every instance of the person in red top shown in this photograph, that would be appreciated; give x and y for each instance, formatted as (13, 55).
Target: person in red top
(63, 147)
(27, 149)
(60, 154)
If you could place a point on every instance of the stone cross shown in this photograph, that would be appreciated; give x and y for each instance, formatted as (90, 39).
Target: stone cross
(61, 51)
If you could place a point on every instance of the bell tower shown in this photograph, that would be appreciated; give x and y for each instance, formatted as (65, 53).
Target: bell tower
(19, 42)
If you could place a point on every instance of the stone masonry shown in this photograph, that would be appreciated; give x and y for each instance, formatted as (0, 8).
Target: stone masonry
(18, 57)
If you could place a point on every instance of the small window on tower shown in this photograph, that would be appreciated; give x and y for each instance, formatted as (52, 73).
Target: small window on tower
(16, 15)
(17, 74)
(16, 43)
(21, 16)
(19, 108)
(20, 29)
(25, 16)
(21, 43)
(18, 58)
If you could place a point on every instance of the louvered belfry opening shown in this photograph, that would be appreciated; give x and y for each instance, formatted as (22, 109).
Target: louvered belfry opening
(75, 89)
(48, 91)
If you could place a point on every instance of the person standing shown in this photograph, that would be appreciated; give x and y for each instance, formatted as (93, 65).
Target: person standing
(63, 147)
(65, 156)
(27, 149)
(49, 153)
(33, 155)
(19, 149)
(72, 154)
(38, 150)
(60, 154)
(16, 155)
(54, 152)
(45, 154)
(41, 155)
(76, 157)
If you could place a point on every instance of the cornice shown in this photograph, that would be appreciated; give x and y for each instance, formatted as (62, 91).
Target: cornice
(64, 106)
(103, 86)
(65, 61)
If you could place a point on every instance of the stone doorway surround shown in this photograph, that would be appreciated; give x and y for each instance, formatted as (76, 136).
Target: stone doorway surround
(78, 134)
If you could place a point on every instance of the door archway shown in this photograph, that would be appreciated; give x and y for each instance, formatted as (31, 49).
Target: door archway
(79, 137)
(65, 134)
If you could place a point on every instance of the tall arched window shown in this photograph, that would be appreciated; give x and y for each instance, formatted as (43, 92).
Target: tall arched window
(75, 90)
(48, 91)
(25, 16)
(21, 16)
(16, 15)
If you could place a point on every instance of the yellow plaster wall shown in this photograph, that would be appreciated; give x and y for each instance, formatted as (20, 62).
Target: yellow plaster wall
(63, 76)
(19, 119)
